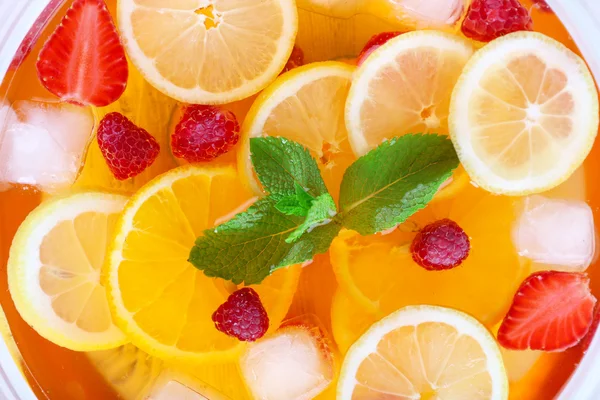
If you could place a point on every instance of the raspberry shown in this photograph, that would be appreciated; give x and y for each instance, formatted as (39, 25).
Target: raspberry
(489, 19)
(542, 5)
(127, 149)
(296, 60)
(374, 43)
(242, 316)
(440, 245)
(204, 133)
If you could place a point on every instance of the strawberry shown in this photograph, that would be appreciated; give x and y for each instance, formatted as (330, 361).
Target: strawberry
(587, 340)
(551, 311)
(83, 62)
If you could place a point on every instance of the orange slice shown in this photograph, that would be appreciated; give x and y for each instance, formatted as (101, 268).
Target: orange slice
(378, 272)
(161, 301)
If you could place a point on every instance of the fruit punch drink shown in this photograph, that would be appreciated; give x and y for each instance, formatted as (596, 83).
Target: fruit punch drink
(293, 200)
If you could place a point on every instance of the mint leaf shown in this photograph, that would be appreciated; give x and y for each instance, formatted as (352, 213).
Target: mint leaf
(290, 205)
(303, 197)
(320, 213)
(390, 183)
(282, 165)
(252, 245)
(297, 204)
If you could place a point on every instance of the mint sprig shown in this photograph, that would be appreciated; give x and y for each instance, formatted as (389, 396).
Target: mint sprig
(298, 217)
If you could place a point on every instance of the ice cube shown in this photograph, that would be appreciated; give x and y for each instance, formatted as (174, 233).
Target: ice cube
(556, 233)
(293, 364)
(177, 386)
(175, 390)
(431, 13)
(8, 117)
(46, 147)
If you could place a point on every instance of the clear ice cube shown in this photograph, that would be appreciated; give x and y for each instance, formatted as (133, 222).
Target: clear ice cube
(291, 364)
(556, 233)
(431, 13)
(177, 386)
(8, 117)
(45, 145)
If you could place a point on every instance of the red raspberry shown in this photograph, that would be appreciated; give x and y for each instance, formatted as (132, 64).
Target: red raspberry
(204, 133)
(374, 43)
(296, 59)
(487, 20)
(127, 148)
(542, 5)
(242, 316)
(440, 245)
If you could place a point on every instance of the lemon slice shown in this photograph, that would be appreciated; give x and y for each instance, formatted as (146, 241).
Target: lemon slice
(159, 299)
(524, 114)
(424, 352)
(209, 52)
(305, 105)
(404, 87)
(54, 271)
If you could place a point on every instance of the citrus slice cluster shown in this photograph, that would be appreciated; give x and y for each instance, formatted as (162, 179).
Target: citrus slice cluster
(148, 293)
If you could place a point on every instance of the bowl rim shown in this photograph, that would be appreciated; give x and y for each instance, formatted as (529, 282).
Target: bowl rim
(580, 17)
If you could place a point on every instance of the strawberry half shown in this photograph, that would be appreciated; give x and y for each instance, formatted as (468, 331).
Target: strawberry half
(83, 62)
(551, 311)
